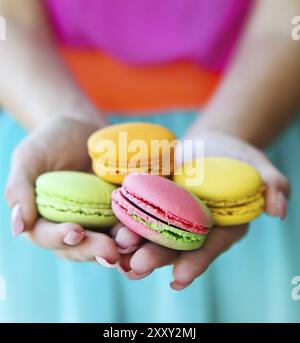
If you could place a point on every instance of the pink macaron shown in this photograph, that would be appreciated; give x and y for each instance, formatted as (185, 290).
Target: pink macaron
(162, 212)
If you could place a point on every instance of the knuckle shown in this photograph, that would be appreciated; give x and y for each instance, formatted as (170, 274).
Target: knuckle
(280, 182)
(151, 257)
(276, 177)
(85, 252)
(103, 242)
(187, 271)
(18, 153)
(108, 248)
(206, 254)
(9, 193)
(35, 238)
(286, 184)
(23, 153)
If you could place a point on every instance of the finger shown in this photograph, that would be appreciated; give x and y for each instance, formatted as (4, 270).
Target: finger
(189, 265)
(149, 257)
(278, 188)
(20, 193)
(56, 236)
(124, 267)
(95, 247)
(115, 229)
(127, 240)
(124, 263)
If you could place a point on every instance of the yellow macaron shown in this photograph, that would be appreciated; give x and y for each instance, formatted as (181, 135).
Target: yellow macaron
(121, 149)
(232, 189)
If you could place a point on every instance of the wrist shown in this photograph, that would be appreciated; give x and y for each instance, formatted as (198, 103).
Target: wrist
(84, 113)
(72, 123)
(210, 122)
(204, 124)
(74, 106)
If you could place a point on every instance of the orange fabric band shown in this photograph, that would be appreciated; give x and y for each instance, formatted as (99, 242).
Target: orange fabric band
(115, 86)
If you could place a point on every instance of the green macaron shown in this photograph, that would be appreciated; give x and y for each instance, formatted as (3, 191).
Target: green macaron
(69, 196)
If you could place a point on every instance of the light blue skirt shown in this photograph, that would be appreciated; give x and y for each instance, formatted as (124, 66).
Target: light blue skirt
(249, 283)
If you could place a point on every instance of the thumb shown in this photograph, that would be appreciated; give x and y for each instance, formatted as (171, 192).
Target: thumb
(20, 191)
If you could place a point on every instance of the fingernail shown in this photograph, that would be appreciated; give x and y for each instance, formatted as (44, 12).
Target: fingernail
(128, 250)
(133, 275)
(122, 269)
(17, 222)
(123, 239)
(282, 205)
(105, 263)
(179, 286)
(74, 237)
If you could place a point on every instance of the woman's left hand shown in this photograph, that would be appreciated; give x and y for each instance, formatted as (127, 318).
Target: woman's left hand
(188, 265)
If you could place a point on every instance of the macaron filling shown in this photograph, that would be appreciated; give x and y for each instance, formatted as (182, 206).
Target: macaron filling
(170, 231)
(64, 204)
(159, 167)
(161, 215)
(155, 222)
(236, 202)
(240, 209)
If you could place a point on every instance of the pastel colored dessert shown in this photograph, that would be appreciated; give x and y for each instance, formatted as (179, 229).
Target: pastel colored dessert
(121, 149)
(162, 212)
(233, 190)
(69, 196)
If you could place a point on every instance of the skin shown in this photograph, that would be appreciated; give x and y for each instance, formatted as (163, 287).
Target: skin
(241, 117)
(67, 116)
(268, 59)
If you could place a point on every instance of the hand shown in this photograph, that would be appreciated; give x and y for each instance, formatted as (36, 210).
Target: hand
(60, 143)
(189, 265)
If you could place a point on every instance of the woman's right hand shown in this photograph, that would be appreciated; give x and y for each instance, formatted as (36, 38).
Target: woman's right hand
(58, 144)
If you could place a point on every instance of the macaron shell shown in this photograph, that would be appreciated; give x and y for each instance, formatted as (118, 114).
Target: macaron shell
(107, 148)
(173, 200)
(68, 196)
(87, 221)
(117, 176)
(75, 187)
(152, 235)
(233, 190)
(145, 132)
(237, 215)
(236, 219)
(236, 203)
(224, 179)
(257, 205)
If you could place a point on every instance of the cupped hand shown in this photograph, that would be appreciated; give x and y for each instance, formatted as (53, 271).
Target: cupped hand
(187, 266)
(58, 144)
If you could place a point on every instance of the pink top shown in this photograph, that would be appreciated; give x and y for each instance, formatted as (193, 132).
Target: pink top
(144, 32)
